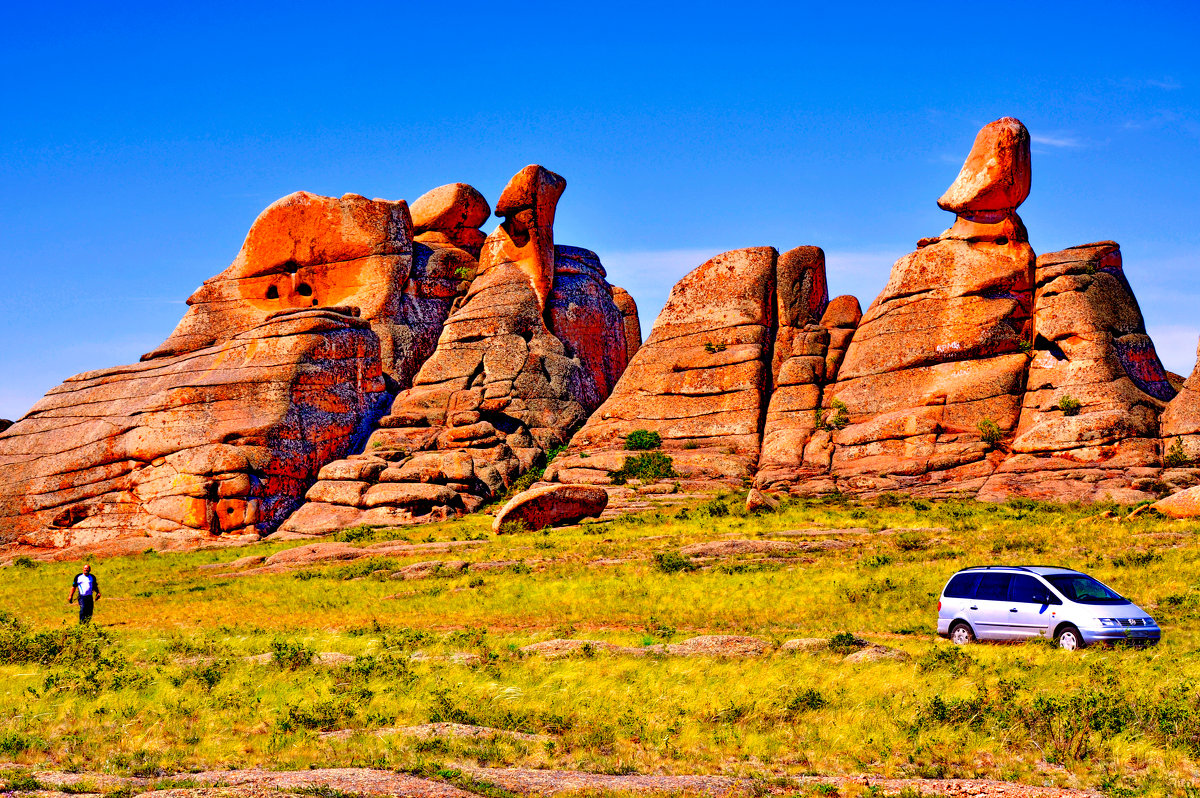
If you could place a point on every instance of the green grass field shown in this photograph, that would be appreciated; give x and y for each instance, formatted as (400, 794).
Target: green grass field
(163, 681)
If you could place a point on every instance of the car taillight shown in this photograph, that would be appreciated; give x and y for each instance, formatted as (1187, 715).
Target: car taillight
(939, 605)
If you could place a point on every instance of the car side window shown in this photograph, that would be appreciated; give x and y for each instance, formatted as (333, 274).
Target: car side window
(993, 587)
(962, 586)
(1028, 590)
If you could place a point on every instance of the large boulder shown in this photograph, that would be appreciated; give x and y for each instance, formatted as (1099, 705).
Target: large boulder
(451, 215)
(552, 505)
(221, 441)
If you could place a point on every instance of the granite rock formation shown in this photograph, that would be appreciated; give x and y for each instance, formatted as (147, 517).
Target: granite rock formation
(551, 505)
(534, 347)
(221, 441)
(276, 383)
(979, 370)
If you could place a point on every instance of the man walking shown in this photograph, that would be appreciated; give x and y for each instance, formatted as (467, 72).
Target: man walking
(89, 593)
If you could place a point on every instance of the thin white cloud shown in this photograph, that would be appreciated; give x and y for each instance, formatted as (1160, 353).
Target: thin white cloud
(1060, 141)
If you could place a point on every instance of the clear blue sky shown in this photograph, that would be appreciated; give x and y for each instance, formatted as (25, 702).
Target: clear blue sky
(138, 142)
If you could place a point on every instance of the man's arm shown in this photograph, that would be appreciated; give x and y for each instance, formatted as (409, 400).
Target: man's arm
(95, 589)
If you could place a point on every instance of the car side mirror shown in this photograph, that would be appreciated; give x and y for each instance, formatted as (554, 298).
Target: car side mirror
(1046, 598)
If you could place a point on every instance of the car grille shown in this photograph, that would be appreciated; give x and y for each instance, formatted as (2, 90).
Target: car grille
(1132, 621)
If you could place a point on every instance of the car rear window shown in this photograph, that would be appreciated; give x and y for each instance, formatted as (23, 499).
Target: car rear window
(962, 586)
(993, 587)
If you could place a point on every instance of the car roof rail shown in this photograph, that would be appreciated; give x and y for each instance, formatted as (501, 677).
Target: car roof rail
(1011, 567)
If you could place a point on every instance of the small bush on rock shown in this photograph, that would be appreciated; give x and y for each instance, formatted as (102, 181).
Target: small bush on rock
(837, 417)
(1069, 405)
(845, 643)
(989, 432)
(642, 439)
(648, 467)
(1176, 457)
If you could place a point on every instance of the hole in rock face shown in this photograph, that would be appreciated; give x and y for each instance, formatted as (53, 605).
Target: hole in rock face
(291, 267)
(304, 289)
(1001, 240)
(314, 303)
(273, 292)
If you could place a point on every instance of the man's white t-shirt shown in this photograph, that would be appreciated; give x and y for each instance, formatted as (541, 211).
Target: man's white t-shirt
(84, 583)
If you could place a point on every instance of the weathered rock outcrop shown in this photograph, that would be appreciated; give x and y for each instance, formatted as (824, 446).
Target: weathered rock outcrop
(223, 440)
(699, 381)
(1089, 420)
(978, 370)
(502, 387)
(940, 351)
(282, 364)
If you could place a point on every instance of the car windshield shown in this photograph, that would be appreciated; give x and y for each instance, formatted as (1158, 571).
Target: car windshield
(1084, 590)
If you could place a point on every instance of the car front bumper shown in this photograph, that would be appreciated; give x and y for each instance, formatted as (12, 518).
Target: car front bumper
(1134, 636)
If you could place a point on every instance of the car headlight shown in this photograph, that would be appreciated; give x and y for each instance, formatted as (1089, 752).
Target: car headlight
(1109, 622)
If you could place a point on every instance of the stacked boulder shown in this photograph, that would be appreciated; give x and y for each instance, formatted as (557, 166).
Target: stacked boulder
(519, 364)
(938, 357)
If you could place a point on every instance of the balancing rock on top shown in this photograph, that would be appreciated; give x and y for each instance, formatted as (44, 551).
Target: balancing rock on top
(941, 350)
(526, 236)
(451, 214)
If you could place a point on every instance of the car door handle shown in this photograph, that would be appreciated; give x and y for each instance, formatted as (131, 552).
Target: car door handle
(972, 607)
(1014, 609)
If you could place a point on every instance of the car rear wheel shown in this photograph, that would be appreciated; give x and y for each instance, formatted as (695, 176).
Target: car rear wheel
(961, 634)
(1069, 638)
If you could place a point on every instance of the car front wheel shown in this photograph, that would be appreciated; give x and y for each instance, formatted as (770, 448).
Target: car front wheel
(961, 634)
(1069, 638)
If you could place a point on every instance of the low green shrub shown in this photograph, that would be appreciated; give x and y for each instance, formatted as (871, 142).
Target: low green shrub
(648, 467)
(670, 562)
(640, 439)
(1069, 405)
(989, 432)
(1176, 457)
(290, 656)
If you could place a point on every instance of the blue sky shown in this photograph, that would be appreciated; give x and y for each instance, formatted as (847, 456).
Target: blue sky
(138, 142)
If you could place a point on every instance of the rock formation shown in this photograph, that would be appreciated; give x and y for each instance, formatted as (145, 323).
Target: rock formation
(1089, 418)
(699, 381)
(223, 440)
(979, 370)
(502, 388)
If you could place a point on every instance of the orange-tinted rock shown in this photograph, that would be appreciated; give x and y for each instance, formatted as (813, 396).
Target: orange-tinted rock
(996, 175)
(552, 505)
(310, 251)
(699, 380)
(798, 365)
(451, 215)
(1185, 504)
(526, 236)
(223, 440)
(499, 391)
(632, 324)
(841, 318)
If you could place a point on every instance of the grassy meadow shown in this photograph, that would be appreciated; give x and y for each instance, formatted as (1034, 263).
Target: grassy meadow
(165, 681)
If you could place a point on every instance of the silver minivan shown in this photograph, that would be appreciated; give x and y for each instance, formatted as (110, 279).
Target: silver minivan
(1016, 602)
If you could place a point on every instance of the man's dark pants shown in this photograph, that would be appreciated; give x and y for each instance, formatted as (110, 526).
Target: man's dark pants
(86, 604)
